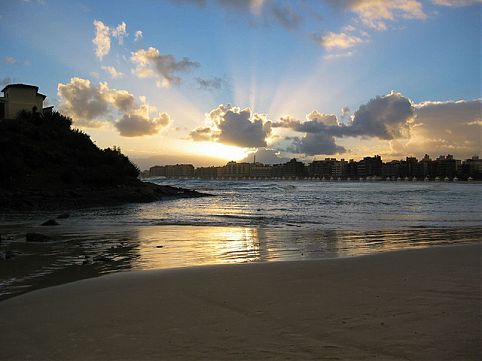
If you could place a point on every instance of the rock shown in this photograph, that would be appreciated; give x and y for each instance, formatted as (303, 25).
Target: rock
(50, 222)
(37, 237)
(159, 246)
(63, 216)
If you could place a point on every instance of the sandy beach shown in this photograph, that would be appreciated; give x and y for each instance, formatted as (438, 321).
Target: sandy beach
(408, 305)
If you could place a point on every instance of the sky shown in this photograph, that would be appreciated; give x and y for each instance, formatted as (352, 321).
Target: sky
(208, 81)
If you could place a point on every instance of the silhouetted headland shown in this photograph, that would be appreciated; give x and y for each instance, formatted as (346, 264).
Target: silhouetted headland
(45, 164)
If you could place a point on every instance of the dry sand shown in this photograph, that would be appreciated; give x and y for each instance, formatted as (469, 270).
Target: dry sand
(409, 305)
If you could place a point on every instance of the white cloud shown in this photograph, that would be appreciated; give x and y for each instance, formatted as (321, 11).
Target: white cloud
(120, 32)
(101, 39)
(91, 106)
(138, 35)
(151, 63)
(113, 72)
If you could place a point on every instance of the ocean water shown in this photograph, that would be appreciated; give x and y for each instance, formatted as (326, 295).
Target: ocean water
(244, 221)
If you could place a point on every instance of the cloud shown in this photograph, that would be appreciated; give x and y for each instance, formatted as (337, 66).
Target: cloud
(134, 125)
(266, 156)
(282, 12)
(338, 41)
(327, 119)
(152, 64)
(9, 60)
(316, 143)
(101, 39)
(255, 7)
(138, 35)
(120, 32)
(91, 106)
(456, 3)
(332, 56)
(202, 134)
(234, 126)
(447, 127)
(376, 13)
(316, 122)
(83, 101)
(286, 16)
(215, 83)
(384, 117)
(113, 72)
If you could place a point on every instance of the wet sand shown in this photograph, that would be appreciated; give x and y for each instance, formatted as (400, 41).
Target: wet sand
(408, 305)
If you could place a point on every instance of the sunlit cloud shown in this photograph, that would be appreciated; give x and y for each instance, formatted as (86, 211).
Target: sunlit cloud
(376, 13)
(92, 106)
(101, 39)
(112, 71)
(447, 127)
(332, 41)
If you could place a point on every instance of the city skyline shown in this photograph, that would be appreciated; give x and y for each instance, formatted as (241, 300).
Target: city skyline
(223, 80)
(444, 167)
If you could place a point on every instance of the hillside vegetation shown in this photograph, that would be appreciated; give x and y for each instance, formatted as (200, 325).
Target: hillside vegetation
(44, 162)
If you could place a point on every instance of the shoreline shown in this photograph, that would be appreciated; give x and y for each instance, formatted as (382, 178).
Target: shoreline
(90, 197)
(418, 304)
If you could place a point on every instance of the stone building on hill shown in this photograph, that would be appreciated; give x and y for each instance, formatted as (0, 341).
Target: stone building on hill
(18, 97)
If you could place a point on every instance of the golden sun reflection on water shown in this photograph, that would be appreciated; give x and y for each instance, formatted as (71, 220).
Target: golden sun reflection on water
(175, 246)
(183, 246)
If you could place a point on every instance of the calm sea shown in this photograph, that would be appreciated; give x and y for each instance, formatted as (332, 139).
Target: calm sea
(244, 221)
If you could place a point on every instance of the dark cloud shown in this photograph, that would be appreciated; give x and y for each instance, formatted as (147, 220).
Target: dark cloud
(163, 67)
(313, 144)
(215, 83)
(286, 16)
(242, 128)
(233, 126)
(281, 12)
(384, 117)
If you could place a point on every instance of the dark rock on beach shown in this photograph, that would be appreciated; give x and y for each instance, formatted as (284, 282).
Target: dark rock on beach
(50, 222)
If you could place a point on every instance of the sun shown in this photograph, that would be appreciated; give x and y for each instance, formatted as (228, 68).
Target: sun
(218, 150)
